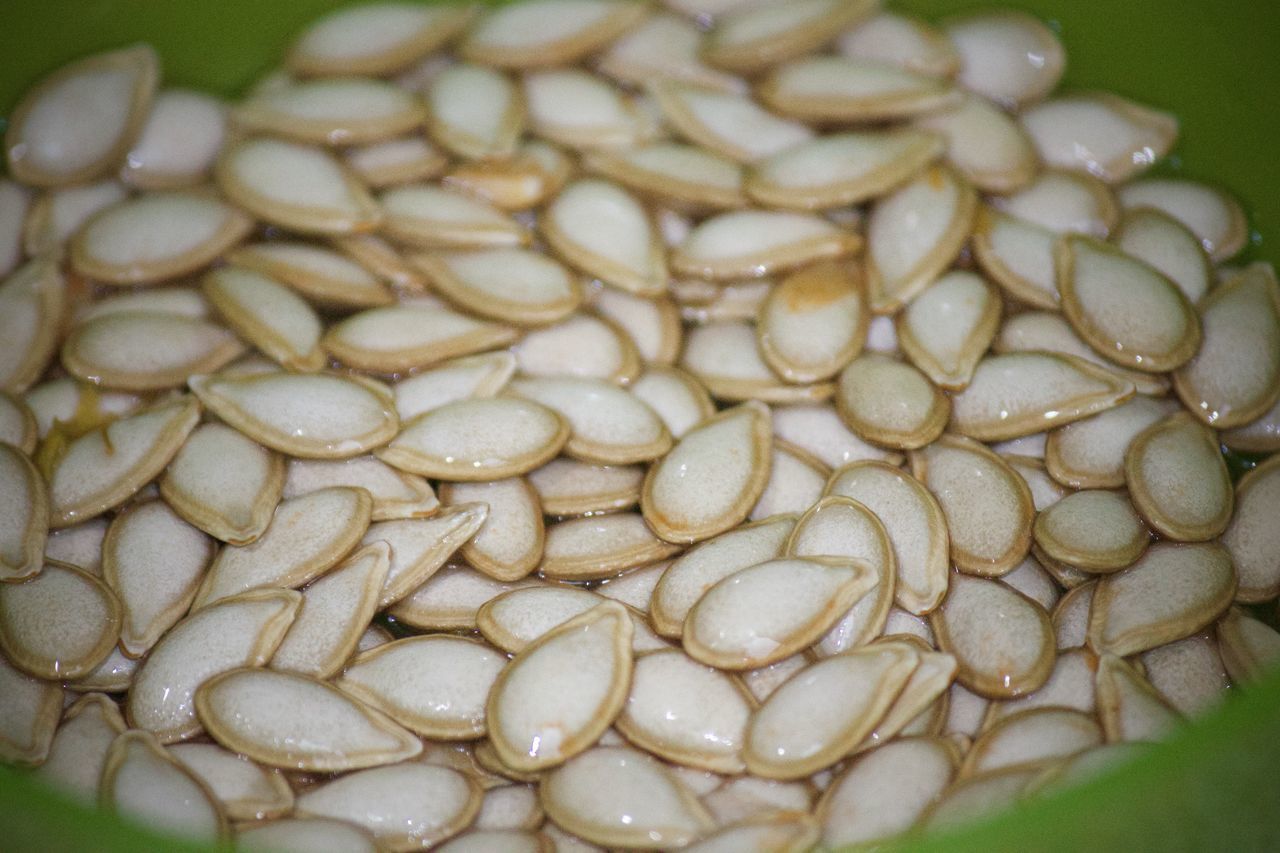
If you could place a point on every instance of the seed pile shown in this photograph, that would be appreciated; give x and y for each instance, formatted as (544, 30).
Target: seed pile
(595, 423)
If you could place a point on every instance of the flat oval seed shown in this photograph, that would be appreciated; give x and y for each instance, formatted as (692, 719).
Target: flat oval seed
(987, 504)
(922, 705)
(1010, 57)
(819, 431)
(31, 309)
(602, 230)
(620, 797)
(1235, 377)
(1097, 531)
(1124, 309)
(79, 748)
(482, 439)
(750, 796)
(1249, 647)
(837, 89)
(709, 481)
(753, 243)
(143, 782)
(1100, 133)
(684, 175)
(245, 790)
(1171, 592)
(1032, 737)
(224, 484)
(336, 111)
(753, 37)
(686, 712)
(581, 345)
(178, 300)
(142, 351)
(548, 32)
(105, 467)
(1189, 673)
(784, 833)
(725, 357)
(1252, 538)
(560, 693)
(515, 619)
(1018, 256)
(248, 711)
(653, 325)
(324, 277)
(693, 573)
(968, 800)
(580, 110)
(395, 494)
(24, 515)
(885, 791)
(400, 338)
(665, 47)
(509, 544)
(1178, 479)
(568, 487)
(676, 397)
(946, 329)
(890, 403)
(57, 215)
(404, 160)
(450, 598)
(306, 835)
(914, 233)
(905, 41)
(60, 624)
(153, 561)
(437, 217)
(822, 712)
(1129, 707)
(1064, 202)
(840, 169)
(1002, 641)
(766, 612)
(509, 285)
(482, 375)
(269, 315)
(336, 609)
(319, 416)
(436, 686)
(915, 525)
(1212, 215)
(297, 187)
(18, 425)
(240, 631)
(813, 322)
(1090, 454)
(31, 708)
(728, 123)
(156, 236)
(1258, 436)
(608, 425)
(419, 547)
(795, 482)
(475, 112)
(1164, 243)
(378, 38)
(307, 536)
(178, 142)
(597, 547)
(79, 121)
(984, 144)
(1024, 393)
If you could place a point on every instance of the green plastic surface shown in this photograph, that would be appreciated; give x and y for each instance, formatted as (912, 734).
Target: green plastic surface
(1216, 786)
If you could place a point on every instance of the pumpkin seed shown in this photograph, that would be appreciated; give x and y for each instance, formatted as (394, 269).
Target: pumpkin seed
(884, 792)
(1250, 538)
(395, 494)
(837, 89)
(113, 675)
(620, 797)
(1178, 480)
(756, 36)
(984, 144)
(813, 323)
(419, 547)
(24, 521)
(664, 47)
(315, 416)
(1249, 648)
(509, 544)
(580, 110)
(725, 357)
(1169, 246)
(582, 345)
(685, 176)
(607, 424)
(57, 214)
(1096, 531)
(819, 431)
(1070, 685)
(399, 338)
(307, 537)
(741, 623)
(224, 484)
(913, 235)
(1210, 213)
(746, 797)
(178, 142)
(1002, 659)
(890, 403)
(709, 481)
(1071, 615)
(79, 121)
(901, 40)
(1018, 256)
(514, 619)
(987, 504)
(303, 835)
(509, 285)
(1108, 136)
(946, 329)
(79, 747)
(153, 561)
(31, 310)
(1258, 436)
(142, 781)
(921, 706)
(821, 699)
(137, 351)
(245, 790)
(594, 547)
(31, 710)
(1064, 203)
(1090, 454)
(378, 38)
(1171, 592)
(405, 160)
(1129, 707)
(727, 123)
(1035, 582)
(536, 172)
(1235, 376)
(18, 427)
(541, 712)
(796, 480)
(1009, 57)
(273, 318)
(1189, 673)
(548, 32)
(450, 598)
(780, 832)
(321, 275)
(1030, 738)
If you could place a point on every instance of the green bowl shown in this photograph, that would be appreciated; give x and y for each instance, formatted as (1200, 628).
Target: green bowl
(1216, 785)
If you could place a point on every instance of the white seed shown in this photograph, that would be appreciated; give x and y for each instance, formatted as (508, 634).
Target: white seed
(1090, 453)
(1064, 203)
(984, 144)
(269, 315)
(1169, 246)
(724, 356)
(379, 38)
(1103, 134)
(404, 160)
(31, 708)
(813, 323)
(178, 142)
(754, 243)
(1096, 531)
(1010, 57)
(796, 481)
(591, 548)
(450, 598)
(607, 424)
(335, 111)
(79, 747)
(830, 89)
(57, 214)
(1178, 479)
(31, 308)
(1018, 256)
(581, 345)
(757, 36)
(306, 835)
(245, 790)
(727, 123)
(890, 403)
(142, 781)
(1249, 647)
(946, 329)
(1129, 707)
(437, 217)
(1189, 673)
(548, 32)
(1211, 214)
(1031, 737)
(324, 277)
(1070, 685)
(400, 338)
(142, 351)
(1251, 538)
(819, 431)
(601, 229)
(419, 547)
(395, 494)
(24, 515)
